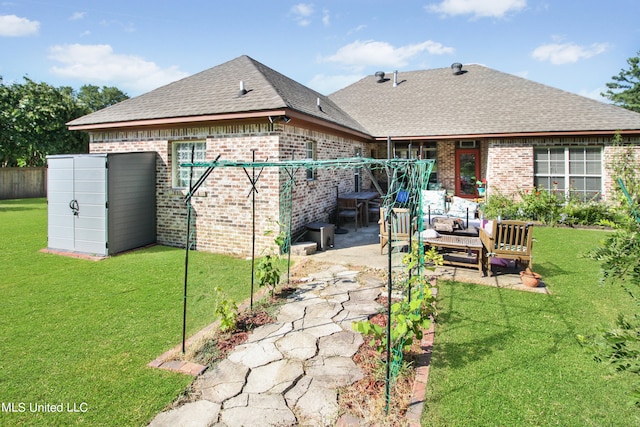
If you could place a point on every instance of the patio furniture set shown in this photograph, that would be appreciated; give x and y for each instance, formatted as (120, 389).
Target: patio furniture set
(450, 225)
(463, 239)
(359, 206)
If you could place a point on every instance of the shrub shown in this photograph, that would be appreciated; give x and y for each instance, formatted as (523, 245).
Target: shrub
(586, 213)
(541, 205)
(551, 208)
(499, 205)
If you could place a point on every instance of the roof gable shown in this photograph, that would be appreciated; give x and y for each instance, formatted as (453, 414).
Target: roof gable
(479, 101)
(215, 91)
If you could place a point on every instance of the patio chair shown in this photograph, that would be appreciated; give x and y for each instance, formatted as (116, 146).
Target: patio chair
(350, 208)
(508, 240)
(402, 227)
(374, 208)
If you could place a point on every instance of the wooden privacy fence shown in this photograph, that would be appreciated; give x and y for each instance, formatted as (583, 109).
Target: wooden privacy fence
(23, 183)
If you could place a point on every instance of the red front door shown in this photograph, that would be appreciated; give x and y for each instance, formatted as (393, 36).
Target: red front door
(467, 171)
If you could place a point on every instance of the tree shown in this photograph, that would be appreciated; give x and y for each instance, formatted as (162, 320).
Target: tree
(94, 98)
(624, 90)
(33, 119)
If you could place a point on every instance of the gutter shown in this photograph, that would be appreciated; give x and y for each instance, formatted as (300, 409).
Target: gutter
(604, 132)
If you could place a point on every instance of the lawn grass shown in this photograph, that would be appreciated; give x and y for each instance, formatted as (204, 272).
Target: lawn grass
(505, 358)
(74, 331)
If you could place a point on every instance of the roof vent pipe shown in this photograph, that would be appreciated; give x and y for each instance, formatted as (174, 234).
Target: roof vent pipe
(318, 104)
(395, 78)
(242, 90)
(380, 76)
(456, 68)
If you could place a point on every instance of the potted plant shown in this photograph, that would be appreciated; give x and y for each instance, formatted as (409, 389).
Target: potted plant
(481, 187)
(529, 278)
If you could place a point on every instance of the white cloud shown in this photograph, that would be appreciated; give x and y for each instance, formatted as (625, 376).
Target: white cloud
(567, 53)
(14, 26)
(301, 13)
(99, 64)
(478, 8)
(356, 29)
(328, 84)
(370, 52)
(326, 18)
(127, 27)
(77, 16)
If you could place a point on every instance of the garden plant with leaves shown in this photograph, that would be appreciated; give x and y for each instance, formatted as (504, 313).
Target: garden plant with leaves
(410, 316)
(268, 267)
(226, 311)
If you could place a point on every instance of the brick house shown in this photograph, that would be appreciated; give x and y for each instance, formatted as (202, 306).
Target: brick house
(475, 122)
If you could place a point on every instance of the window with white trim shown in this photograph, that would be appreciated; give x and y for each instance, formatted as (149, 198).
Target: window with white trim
(182, 153)
(310, 154)
(577, 171)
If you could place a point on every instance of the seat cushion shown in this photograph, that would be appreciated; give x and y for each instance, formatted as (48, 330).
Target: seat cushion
(433, 201)
(459, 208)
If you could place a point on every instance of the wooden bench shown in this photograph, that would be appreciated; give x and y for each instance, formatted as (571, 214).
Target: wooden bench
(508, 239)
(472, 246)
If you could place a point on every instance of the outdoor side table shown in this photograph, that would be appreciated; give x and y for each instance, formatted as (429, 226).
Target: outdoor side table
(464, 251)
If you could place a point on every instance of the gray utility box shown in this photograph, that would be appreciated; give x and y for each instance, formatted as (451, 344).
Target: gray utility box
(321, 233)
(101, 204)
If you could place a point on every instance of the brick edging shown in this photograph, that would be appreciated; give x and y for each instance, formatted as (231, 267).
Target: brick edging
(416, 404)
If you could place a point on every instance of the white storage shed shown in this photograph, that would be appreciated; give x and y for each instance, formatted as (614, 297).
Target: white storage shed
(101, 204)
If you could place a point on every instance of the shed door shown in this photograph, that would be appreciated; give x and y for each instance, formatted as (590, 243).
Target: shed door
(90, 184)
(77, 204)
(59, 194)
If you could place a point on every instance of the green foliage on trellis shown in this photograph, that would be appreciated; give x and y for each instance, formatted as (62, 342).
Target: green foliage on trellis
(406, 178)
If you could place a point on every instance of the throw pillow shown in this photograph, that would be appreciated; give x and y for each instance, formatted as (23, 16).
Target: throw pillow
(459, 208)
(434, 200)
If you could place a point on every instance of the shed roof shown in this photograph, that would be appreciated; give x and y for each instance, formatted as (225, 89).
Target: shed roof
(480, 101)
(215, 91)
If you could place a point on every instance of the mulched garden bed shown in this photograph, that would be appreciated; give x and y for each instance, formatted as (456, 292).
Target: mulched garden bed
(365, 399)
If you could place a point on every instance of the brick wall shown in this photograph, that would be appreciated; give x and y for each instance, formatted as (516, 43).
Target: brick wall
(315, 200)
(510, 165)
(446, 158)
(608, 157)
(223, 206)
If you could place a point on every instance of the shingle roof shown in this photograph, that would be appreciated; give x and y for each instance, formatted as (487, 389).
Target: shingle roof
(215, 91)
(480, 101)
(426, 103)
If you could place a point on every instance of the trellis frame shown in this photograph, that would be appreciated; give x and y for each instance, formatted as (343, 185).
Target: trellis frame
(406, 179)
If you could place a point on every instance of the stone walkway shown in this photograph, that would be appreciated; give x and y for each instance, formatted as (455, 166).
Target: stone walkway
(288, 372)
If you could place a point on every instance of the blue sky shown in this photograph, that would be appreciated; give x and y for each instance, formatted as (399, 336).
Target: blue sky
(574, 45)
